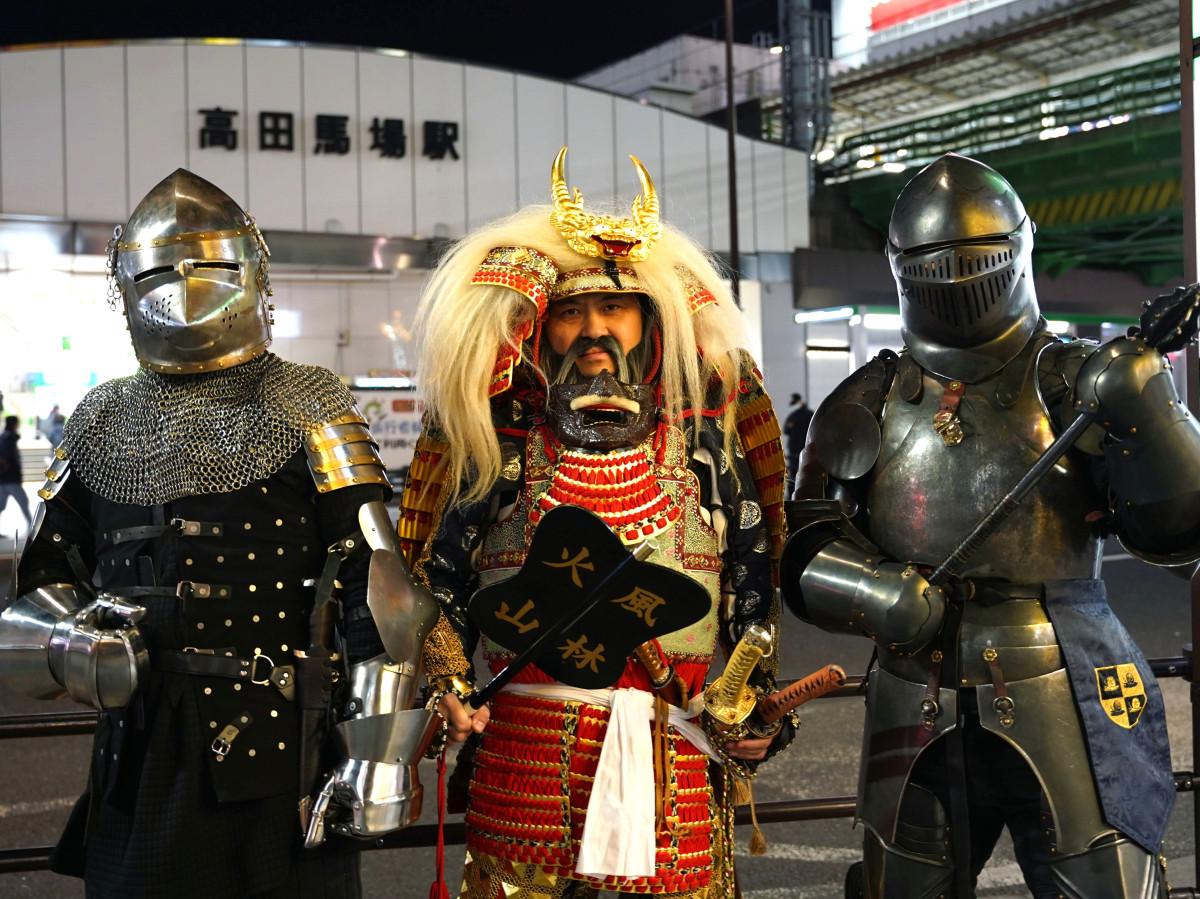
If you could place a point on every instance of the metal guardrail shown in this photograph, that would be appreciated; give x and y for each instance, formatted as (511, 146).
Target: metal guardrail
(58, 724)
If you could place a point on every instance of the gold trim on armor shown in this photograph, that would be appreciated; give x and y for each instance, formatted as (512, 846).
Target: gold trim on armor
(56, 475)
(362, 452)
(596, 280)
(331, 433)
(351, 476)
(190, 237)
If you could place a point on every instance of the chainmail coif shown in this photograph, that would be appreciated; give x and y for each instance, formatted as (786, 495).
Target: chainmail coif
(152, 438)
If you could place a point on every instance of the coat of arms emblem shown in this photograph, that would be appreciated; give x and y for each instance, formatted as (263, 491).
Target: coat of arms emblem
(1122, 693)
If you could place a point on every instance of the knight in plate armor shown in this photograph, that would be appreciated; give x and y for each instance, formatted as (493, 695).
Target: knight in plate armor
(600, 369)
(1011, 696)
(181, 577)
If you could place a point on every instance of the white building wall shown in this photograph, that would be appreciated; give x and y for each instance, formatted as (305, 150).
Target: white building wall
(86, 131)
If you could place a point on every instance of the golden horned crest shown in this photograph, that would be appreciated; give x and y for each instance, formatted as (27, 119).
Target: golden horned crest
(604, 236)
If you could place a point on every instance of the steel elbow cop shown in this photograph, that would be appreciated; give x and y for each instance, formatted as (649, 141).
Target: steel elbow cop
(52, 644)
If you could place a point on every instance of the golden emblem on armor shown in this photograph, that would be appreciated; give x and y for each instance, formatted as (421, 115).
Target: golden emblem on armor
(1122, 695)
(605, 236)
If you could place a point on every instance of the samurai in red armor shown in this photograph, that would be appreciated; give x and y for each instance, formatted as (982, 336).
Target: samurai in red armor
(571, 358)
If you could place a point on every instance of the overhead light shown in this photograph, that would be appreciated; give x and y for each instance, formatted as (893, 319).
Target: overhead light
(866, 150)
(837, 314)
(882, 321)
(776, 50)
(902, 152)
(866, 163)
(394, 383)
(825, 155)
(893, 167)
(1058, 326)
(825, 350)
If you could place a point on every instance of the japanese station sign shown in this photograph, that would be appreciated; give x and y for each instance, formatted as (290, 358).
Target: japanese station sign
(219, 129)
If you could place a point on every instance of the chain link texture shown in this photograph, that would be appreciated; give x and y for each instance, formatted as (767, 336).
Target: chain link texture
(152, 438)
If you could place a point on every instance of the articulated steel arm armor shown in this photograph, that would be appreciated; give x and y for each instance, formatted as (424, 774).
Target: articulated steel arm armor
(1152, 449)
(834, 576)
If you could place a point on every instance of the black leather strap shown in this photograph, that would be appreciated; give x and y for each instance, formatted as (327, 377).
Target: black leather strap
(180, 526)
(215, 663)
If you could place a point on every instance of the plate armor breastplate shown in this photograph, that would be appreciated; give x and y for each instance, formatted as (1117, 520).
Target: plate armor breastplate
(926, 495)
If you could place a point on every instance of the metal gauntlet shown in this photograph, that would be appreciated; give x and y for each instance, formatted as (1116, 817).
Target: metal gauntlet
(50, 644)
(375, 789)
(846, 588)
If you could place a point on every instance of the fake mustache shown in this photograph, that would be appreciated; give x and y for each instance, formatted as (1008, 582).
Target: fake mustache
(607, 342)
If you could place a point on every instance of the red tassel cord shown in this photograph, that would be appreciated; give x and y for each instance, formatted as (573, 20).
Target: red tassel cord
(439, 890)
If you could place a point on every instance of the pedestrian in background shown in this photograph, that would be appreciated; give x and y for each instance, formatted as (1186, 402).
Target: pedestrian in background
(795, 431)
(10, 468)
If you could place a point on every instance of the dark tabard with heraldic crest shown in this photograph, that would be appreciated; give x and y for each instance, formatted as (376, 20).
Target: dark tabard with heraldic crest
(1008, 695)
(194, 516)
(664, 433)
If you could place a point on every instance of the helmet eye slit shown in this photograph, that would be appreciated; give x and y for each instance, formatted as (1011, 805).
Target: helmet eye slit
(151, 272)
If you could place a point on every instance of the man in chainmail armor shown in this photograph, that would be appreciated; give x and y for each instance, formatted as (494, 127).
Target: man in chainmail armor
(190, 513)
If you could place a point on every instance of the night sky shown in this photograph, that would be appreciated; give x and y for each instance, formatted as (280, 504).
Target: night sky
(558, 38)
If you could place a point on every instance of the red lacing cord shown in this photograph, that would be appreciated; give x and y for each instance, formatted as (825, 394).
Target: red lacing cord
(439, 890)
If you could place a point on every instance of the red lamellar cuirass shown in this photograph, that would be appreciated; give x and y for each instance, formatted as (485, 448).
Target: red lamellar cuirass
(533, 774)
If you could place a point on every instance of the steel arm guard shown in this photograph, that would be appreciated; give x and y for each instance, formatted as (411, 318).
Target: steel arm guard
(375, 789)
(835, 578)
(51, 644)
(1151, 451)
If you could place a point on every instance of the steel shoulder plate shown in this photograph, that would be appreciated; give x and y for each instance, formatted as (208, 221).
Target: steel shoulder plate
(844, 433)
(56, 474)
(341, 453)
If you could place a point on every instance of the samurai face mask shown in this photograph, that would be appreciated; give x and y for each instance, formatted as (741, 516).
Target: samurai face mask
(601, 414)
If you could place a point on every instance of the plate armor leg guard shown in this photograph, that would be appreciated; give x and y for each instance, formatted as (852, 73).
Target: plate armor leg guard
(918, 864)
(1114, 867)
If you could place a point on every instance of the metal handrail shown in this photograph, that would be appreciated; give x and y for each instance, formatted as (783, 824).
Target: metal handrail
(37, 858)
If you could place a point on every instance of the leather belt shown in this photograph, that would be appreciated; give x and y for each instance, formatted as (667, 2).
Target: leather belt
(259, 669)
(180, 526)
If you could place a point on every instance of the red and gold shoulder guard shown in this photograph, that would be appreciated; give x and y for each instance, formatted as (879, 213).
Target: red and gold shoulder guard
(758, 430)
(421, 501)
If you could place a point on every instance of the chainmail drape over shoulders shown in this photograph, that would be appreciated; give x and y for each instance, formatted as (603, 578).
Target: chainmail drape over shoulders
(152, 438)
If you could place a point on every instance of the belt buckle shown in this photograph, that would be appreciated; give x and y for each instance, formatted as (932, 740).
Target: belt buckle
(220, 748)
(255, 677)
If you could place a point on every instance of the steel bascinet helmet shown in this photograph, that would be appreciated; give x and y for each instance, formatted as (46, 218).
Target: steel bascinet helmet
(960, 246)
(190, 268)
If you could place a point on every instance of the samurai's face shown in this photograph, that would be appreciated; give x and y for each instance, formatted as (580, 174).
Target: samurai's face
(576, 327)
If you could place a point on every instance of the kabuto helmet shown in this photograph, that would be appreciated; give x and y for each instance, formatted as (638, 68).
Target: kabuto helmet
(190, 268)
(960, 246)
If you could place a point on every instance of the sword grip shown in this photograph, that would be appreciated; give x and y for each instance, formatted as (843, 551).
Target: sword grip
(755, 643)
(771, 708)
